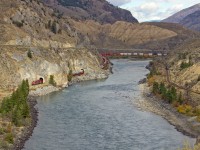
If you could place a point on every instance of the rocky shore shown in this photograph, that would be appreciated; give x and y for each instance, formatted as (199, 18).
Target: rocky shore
(44, 90)
(185, 124)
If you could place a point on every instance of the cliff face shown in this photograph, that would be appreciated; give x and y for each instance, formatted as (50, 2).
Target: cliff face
(98, 10)
(16, 66)
(29, 27)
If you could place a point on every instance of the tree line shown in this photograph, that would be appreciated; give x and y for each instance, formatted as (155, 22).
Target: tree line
(16, 106)
(169, 94)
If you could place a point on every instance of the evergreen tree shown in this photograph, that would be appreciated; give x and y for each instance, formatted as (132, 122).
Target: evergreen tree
(162, 88)
(180, 98)
(155, 87)
(70, 75)
(29, 54)
(173, 93)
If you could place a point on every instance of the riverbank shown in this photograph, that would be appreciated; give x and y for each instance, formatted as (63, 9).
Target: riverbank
(19, 144)
(185, 124)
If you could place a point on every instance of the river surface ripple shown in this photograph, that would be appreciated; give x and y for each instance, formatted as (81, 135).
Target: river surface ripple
(100, 115)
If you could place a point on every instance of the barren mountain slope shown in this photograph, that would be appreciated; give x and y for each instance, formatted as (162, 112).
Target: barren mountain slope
(176, 18)
(192, 21)
(98, 10)
(129, 35)
(189, 17)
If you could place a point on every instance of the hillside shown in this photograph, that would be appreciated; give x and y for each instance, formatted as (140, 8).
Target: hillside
(118, 33)
(184, 69)
(189, 17)
(98, 10)
(29, 26)
(192, 21)
(129, 35)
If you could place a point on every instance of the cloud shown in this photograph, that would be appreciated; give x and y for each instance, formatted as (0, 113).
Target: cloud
(154, 10)
(145, 10)
(119, 2)
(148, 7)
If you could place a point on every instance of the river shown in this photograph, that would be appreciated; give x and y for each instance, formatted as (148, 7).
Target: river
(101, 115)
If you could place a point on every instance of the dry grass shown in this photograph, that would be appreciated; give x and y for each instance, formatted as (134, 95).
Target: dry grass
(188, 147)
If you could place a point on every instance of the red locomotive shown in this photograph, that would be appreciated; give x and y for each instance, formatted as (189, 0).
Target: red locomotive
(40, 81)
(79, 73)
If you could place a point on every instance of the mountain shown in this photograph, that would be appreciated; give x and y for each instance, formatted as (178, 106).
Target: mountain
(192, 21)
(57, 41)
(98, 10)
(189, 17)
(118, 29)
(176, 18)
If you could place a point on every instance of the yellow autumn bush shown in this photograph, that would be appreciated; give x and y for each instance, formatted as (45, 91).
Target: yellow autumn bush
(184, 109)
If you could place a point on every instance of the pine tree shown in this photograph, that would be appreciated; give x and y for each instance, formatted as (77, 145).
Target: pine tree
(173, 93)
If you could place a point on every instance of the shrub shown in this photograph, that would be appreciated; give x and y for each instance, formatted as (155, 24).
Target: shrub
(52, 81)
(185, 65)
(3, 145)
(184, 109)
(188, 147)
(2, 131)
(9, 138)
(180, 98)
(70, 75)
(155, 87)
(29, 54)
(198, 78)
(162, 89)
(196, 111)
(18, 24)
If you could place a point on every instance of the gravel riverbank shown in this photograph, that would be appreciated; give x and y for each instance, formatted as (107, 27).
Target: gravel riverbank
(187, 125)
(44, 91)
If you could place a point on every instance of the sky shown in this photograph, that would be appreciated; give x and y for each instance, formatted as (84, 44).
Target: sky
(147, 10)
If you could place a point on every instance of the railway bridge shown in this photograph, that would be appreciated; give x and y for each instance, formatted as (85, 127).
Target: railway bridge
(131, 52)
